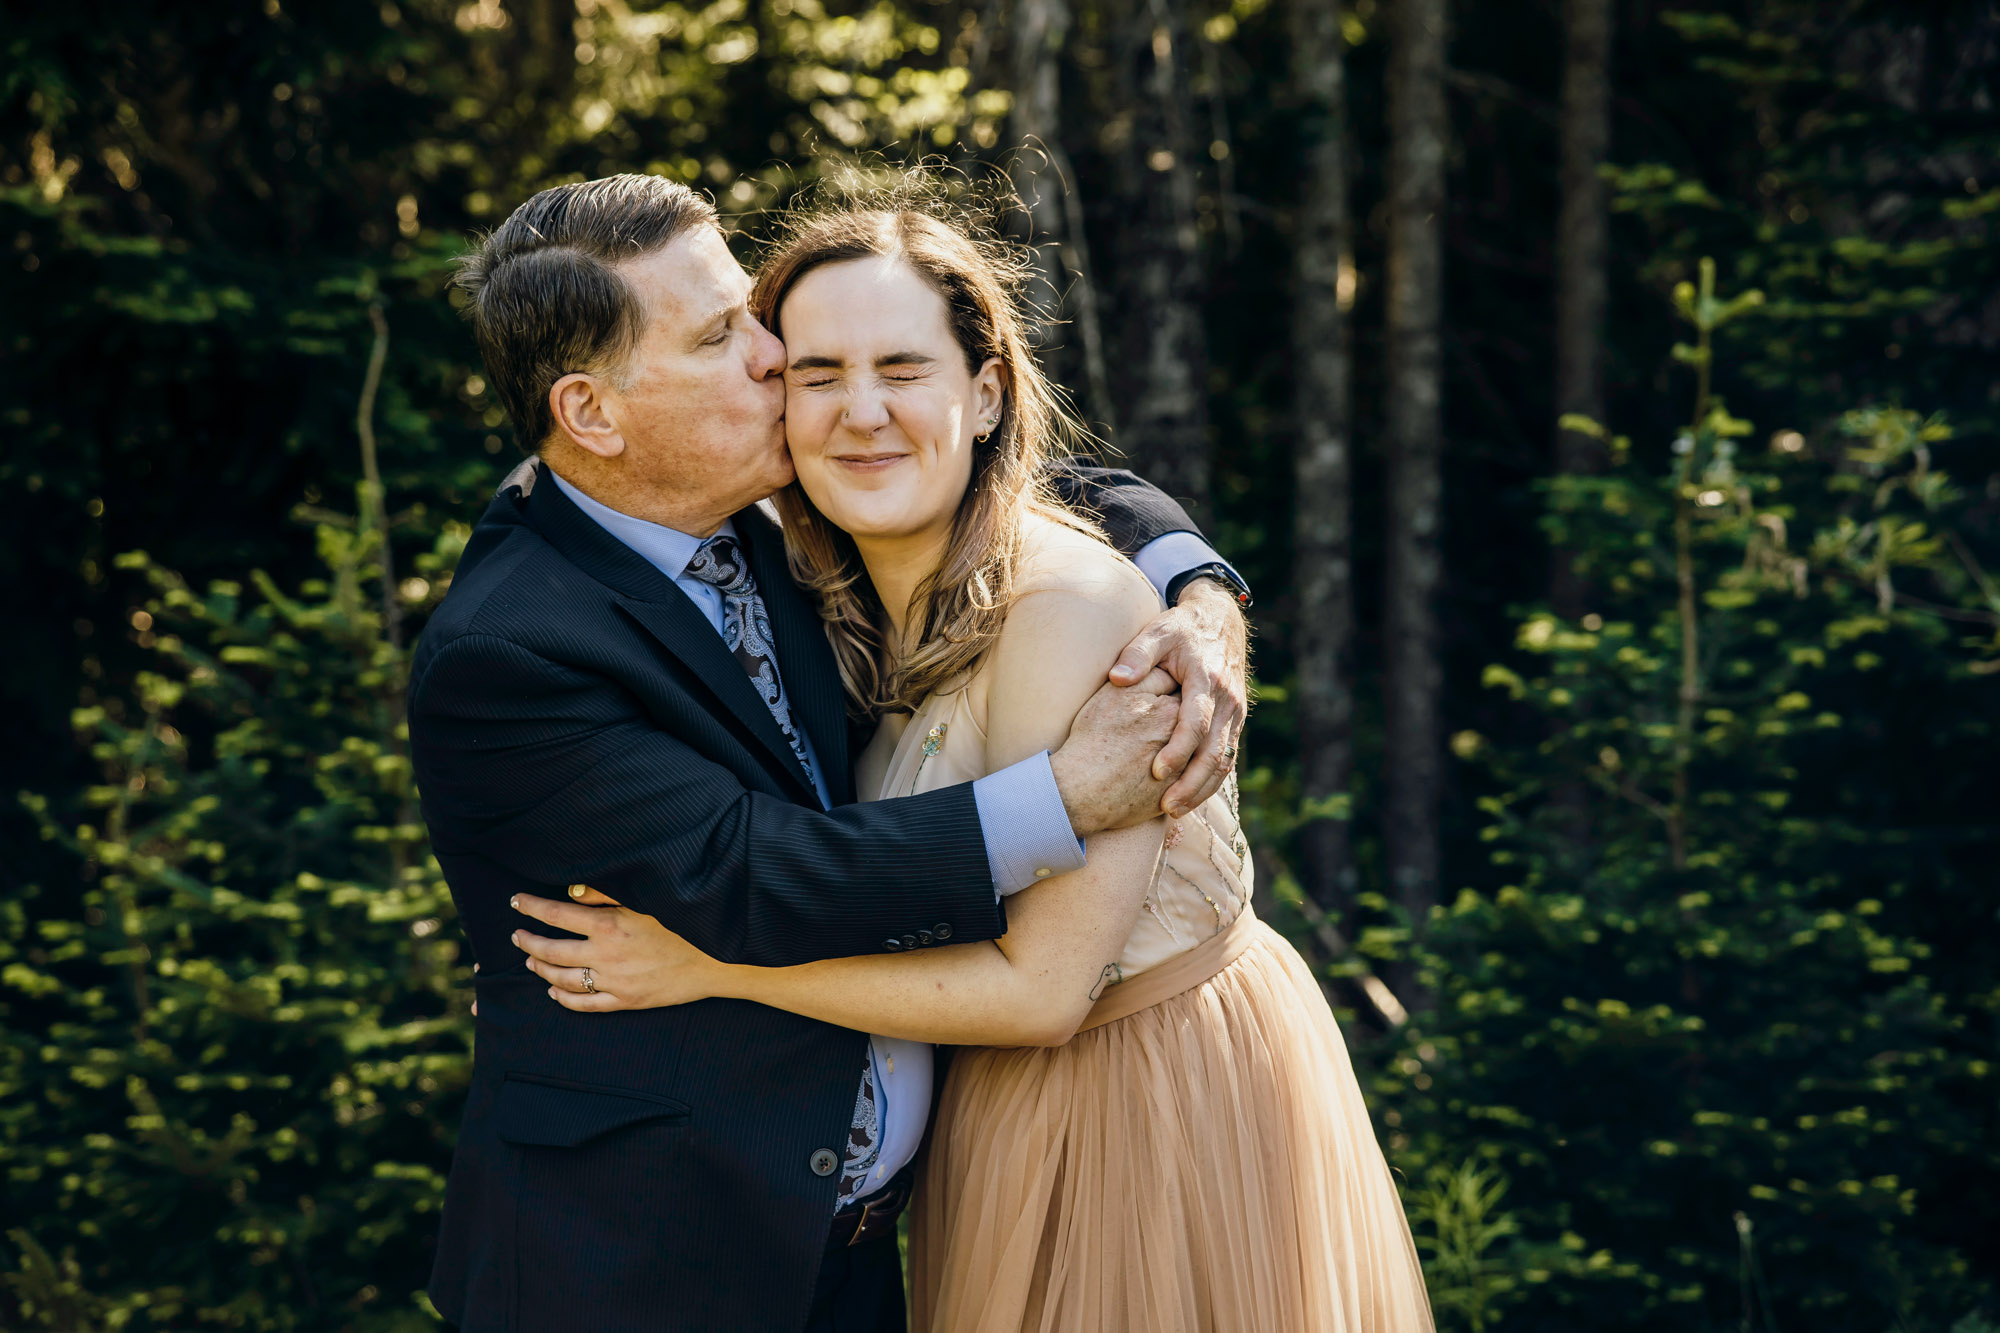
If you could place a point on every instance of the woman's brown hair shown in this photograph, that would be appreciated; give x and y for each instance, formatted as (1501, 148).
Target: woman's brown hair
(956, 614)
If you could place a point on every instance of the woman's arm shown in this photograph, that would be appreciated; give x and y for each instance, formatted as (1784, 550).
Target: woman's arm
(1031, 987)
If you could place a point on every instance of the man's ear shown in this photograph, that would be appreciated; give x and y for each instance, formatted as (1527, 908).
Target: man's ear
(578, 403)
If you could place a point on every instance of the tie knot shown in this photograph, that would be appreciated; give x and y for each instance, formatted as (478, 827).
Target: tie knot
(720, 564)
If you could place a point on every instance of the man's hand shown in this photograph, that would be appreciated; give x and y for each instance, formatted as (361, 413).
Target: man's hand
(1104, 770)
(1203, 643)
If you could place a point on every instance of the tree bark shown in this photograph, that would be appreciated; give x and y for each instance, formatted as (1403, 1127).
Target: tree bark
(1166, 430)
(1062, 287)
(1582, 245)
(1413, 671)
(1322, 468)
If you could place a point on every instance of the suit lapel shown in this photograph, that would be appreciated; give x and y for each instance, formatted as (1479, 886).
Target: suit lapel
(684, 631)
(805, 659)
(653, 602)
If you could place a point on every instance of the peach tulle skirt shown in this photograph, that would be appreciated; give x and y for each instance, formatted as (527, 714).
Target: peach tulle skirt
(1204, 1163)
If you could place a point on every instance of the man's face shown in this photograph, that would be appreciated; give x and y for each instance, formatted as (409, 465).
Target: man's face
(702, 412)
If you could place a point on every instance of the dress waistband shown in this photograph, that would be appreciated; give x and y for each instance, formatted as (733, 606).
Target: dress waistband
(1183, 972)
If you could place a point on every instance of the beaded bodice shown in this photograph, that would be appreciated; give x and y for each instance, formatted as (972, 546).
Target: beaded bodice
(1203, 880)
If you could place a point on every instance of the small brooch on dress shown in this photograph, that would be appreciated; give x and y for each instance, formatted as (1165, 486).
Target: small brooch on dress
(1174, 835)
(933, 742)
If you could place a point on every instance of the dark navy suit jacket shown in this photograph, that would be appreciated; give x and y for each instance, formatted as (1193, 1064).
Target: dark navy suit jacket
(574, 718)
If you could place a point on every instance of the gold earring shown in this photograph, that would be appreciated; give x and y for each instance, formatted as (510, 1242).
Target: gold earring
(983, 435)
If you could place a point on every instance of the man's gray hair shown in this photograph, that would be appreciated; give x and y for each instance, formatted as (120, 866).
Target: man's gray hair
(547, 297)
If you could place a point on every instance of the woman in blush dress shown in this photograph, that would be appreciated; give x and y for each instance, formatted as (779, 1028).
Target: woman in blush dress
(1154, 1125)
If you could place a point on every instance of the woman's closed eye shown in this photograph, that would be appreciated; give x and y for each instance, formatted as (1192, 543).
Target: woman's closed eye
(829, 381)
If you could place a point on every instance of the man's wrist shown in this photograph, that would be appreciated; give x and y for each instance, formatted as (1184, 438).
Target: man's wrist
(1078, 817)
(1057, 766)
(1216, 578)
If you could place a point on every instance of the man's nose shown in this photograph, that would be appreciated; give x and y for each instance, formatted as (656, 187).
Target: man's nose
(767, 353)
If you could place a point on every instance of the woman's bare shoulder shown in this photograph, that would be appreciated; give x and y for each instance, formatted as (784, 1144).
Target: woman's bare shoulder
(1077, 604)
(1056, 558)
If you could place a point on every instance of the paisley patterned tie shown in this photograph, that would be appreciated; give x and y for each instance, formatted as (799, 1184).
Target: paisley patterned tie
(746, 629)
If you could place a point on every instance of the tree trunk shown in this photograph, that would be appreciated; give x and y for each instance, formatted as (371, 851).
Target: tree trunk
(1413, 672)
(1582, 243)
(1062, 287)
(1166, 432)
(1322, 468)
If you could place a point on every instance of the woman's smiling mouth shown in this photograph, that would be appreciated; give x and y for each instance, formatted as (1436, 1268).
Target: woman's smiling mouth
(866, 463)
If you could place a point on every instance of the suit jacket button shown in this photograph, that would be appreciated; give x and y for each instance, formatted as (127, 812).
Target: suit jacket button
(909, 941)
(924, 937)
(942, 930)
(823, 1161)
(893, 945)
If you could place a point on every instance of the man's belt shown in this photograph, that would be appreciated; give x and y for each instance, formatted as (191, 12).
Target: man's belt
(875, 1215)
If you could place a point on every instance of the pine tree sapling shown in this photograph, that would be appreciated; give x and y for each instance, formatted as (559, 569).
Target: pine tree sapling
(235, 1050)
(1743, 1001)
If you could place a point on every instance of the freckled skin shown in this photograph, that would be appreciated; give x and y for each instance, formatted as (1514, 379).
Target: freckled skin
(693, 429)
(881, 412)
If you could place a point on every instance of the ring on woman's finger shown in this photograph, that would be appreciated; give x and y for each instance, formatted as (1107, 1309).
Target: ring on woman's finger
(589, 982)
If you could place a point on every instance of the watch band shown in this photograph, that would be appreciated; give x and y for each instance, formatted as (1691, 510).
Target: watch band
(1218, 571)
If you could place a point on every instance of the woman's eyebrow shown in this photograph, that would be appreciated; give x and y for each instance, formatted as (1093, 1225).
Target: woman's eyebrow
(886, 359)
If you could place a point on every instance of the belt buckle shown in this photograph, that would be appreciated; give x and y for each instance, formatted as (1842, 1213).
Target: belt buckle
(861, 1225)
(889, 1207)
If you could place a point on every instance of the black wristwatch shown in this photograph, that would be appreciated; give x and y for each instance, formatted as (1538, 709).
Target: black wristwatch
(1218, 571)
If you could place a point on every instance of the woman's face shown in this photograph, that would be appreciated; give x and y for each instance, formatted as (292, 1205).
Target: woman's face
(880, 411)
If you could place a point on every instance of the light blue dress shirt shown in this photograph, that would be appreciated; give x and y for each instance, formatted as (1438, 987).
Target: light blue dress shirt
(1164, 559)
(1021, 814)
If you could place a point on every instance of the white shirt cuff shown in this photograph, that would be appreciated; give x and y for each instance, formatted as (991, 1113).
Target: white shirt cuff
(1028, 837)
(1164, 559)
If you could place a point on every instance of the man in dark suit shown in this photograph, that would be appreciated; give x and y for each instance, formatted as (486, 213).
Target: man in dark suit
(623, 687)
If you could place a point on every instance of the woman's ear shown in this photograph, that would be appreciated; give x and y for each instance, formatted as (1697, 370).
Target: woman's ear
(989, 395)
(577, 401)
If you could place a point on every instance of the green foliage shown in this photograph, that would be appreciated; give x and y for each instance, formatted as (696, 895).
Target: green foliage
(49, 1293)
(1723, 972)
(1477, 1264)
(1722, 954)
(1862, 204)
(1458, 1224)
(234, 1055)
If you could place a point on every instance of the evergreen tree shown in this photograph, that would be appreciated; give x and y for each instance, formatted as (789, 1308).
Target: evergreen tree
(234, 1051)
(1738, 1063)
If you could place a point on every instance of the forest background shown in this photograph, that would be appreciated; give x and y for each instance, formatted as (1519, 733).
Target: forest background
(1600, 397)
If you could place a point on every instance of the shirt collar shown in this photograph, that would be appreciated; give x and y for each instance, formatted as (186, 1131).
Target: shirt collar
(666, 549)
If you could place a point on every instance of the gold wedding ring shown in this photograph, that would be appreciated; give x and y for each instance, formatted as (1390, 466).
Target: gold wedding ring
(589, 982)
